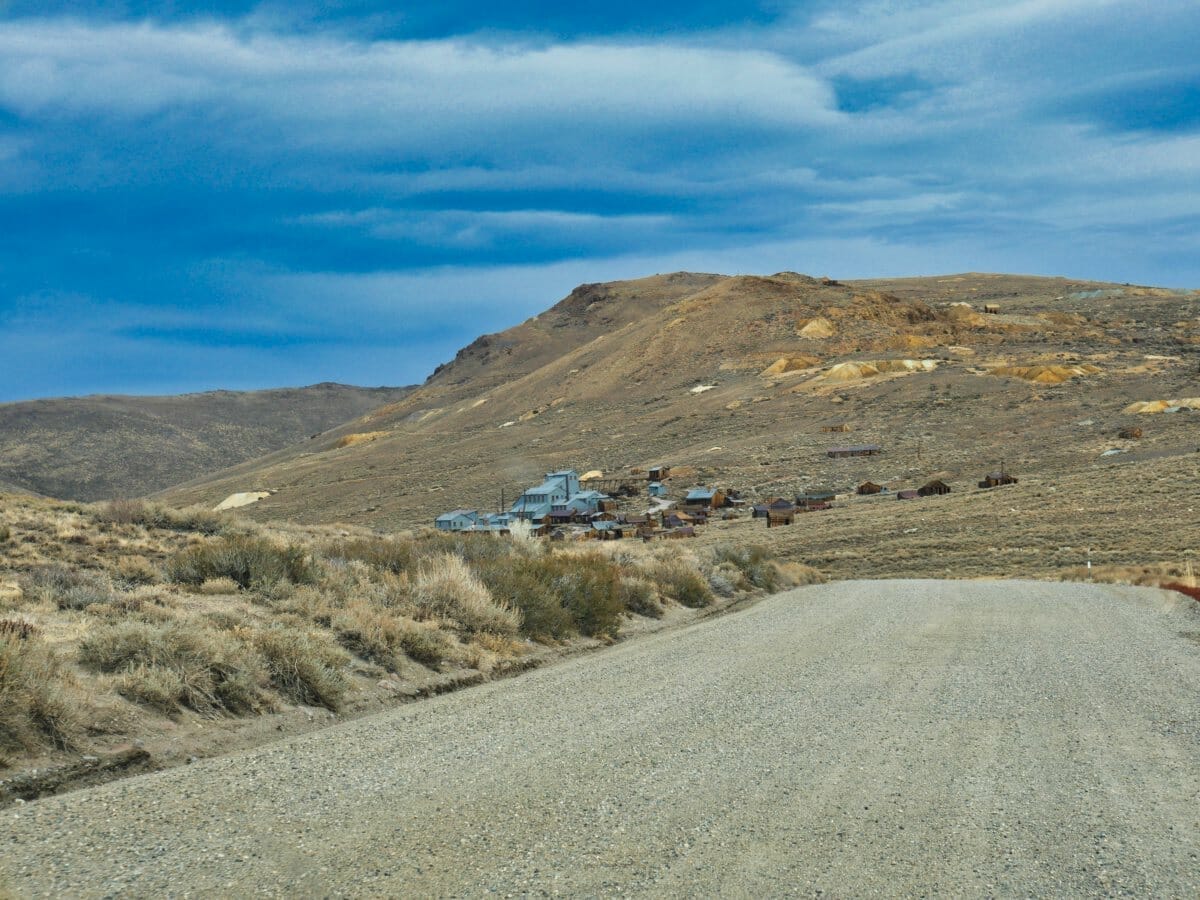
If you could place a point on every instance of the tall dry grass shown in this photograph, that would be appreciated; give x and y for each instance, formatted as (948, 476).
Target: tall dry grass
(39, 701)
(447, 588)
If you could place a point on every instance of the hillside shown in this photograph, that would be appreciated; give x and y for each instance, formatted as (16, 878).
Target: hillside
(98, 447)
(733, 378)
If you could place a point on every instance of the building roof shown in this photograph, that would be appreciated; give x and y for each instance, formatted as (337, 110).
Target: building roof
(701, 493)
(454, 514)
(533, 510)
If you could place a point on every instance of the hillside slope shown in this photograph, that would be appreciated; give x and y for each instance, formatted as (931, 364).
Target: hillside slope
(734, 377)
(99, 447)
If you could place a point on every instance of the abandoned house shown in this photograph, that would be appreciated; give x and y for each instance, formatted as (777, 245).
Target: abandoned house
(996, 479)
(934, 488)
(868, 487)
(817, 499)
(704, 497)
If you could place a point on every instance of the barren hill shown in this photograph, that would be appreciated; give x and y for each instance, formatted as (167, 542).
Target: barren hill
(99, 447)
(734, 377)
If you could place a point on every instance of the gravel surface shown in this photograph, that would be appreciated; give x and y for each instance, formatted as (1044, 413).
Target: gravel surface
(894, 738)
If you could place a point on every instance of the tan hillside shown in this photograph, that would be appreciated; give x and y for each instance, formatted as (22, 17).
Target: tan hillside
(713, 373)
(91, 448)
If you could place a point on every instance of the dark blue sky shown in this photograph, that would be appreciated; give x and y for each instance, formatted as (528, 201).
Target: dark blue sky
(257, 194)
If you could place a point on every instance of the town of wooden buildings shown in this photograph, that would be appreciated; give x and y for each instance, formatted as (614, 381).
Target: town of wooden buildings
(562, 507)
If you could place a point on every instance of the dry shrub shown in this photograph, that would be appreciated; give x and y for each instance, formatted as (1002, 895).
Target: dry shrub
(218, 587)
(5, 534)
(305, 666)
(682, 583)
(388, 554)
(445, 587)
(381, 636)
(122, 512)
(36, 706)
(588, 586)
(137, 570)
(67, 589)
(527, 585)
(251, 562)
(757, 568)
(196, 519)
(638, 596)
(797, 574)
(178, 664)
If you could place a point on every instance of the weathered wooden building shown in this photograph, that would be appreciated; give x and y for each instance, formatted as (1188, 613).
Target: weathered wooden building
(934, 488)
(868, 487)
(996, 479)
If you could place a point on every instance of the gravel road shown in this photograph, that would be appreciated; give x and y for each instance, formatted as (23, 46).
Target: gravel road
(891, 738)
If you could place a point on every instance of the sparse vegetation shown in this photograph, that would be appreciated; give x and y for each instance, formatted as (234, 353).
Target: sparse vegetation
(36, 706)
(250, 562)
(177, 664)
(305, 666)
(178, 625)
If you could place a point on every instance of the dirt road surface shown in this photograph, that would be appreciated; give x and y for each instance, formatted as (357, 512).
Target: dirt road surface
(852, 739)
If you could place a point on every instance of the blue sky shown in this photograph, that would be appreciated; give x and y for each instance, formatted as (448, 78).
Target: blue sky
(246, 194)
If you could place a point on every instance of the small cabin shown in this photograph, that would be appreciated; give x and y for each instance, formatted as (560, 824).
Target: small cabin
(836, 427)
(657, 489)
(934, 488)
(868, 487)
(705, 498)
(658, 473)
(820, 499)
(996, 479)
(992, 309)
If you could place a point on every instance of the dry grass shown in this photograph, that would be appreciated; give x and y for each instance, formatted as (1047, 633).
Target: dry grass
(178, 664)
(144, 622)
(446, 588)
(38, 699)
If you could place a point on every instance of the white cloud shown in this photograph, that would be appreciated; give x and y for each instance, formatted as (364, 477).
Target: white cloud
(395, 93)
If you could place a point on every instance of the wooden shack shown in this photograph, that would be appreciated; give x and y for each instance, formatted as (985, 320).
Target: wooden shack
(780, 512)
(837, 427)
(934, 488)
(996, 479)
(868, 487)
(992, 309)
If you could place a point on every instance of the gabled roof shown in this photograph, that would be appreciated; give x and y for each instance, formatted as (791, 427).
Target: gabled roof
(454, 514)
(701, 493)
(532, 510)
